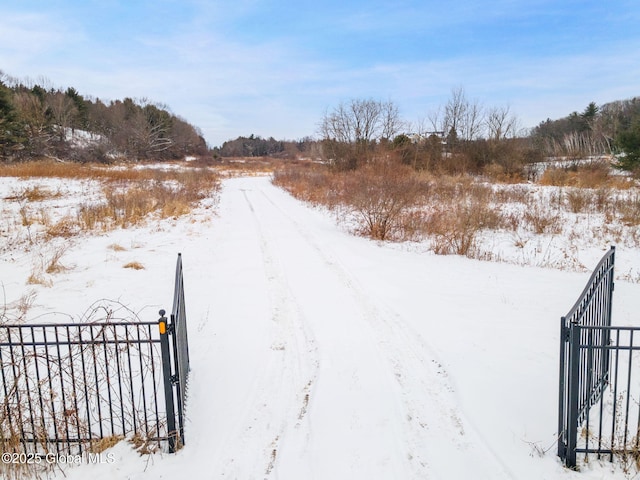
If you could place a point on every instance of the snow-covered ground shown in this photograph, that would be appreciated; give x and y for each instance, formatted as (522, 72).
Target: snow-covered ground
(319, 355)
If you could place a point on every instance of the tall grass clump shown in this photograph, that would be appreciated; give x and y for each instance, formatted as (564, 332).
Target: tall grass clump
(595, 174)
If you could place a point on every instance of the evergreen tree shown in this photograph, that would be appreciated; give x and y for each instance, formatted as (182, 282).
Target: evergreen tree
(628, 142)
(590, 111)
(590, 114)
(81, 119)
(11, 131)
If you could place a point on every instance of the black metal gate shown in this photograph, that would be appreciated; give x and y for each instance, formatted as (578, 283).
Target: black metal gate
(175, 360)
(584, 375)
(71, 388)
(599, 409)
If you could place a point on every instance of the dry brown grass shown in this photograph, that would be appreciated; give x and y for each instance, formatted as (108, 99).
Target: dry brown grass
(236, 166)
(391, 201)
(456, 225)
(102, 444)
(595, 174)
(454, 212)
(500, 174)
(37, 278)
(122, 173)
(16, 311)
(130, 194)
(34, 193)
(64, 228)
(629, 209)
(53, 264)
(580, 200)
(134, 266)
(542, 220)
(310, 182)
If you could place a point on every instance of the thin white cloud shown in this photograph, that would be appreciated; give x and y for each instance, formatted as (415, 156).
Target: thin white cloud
(27, 38)
(230, 84)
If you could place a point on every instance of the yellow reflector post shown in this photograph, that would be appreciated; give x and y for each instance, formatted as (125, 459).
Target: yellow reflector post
(163, 327)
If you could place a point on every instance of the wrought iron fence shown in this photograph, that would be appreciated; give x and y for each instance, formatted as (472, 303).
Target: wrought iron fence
(585, 358)
(610, 427)
(66, 387)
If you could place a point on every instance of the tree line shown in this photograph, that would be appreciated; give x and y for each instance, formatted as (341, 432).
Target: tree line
(612, 128)
(464, 135)
(37, 120)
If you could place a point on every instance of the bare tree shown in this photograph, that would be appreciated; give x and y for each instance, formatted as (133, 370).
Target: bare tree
(34, 113)
(361, 121)
(462, 118)
(436, 121)
(392, 124)
(473, 121)
(350, 130)
(501, 123)
(63, 110)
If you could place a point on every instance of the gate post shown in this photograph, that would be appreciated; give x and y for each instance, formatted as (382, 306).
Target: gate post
(606, 337)
(562, 400)
(573, 395)
(168, 382)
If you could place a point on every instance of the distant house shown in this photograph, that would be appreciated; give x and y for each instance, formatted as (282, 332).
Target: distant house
(422, 137)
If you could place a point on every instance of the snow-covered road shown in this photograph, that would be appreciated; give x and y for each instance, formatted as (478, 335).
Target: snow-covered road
(352, 368)
(319, 355)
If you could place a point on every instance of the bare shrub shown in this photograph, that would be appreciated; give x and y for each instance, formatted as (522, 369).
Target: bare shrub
(455, 226)
(579, 200)
(556, 177)
(16, 312)
(377, 196)
(411, 225)
(541, 220)
(629, 209)
(512, 194)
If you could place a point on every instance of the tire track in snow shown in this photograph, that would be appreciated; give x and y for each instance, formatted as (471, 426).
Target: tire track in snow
(280, 395)
(351, 426)
(276, 400)
(433, 422)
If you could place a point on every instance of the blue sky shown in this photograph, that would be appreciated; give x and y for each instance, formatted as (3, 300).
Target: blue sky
(273, 68)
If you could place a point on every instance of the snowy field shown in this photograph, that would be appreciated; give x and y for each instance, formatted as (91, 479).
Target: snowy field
(319, 355)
